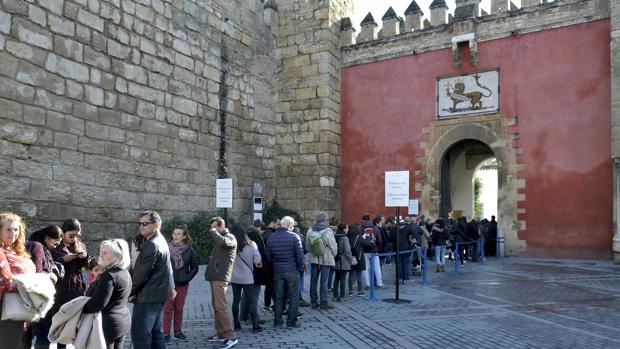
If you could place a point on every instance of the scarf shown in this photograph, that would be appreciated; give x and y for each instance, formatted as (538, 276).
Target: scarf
(319, 226)
(176, 253)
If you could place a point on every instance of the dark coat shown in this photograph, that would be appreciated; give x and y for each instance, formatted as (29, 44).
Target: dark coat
(151, 272)
(72, 285)
(439, 236)
(492, 234)
(344, 257)
(262, 276)
(109, 293)
(404, 243)
(189, 269)
(472, 230)
(358, 245)
(377, 233)
(222, 257)
(285, 251)
(460, 231)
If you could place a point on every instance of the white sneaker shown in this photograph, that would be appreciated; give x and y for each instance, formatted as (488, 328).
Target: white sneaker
(229, 343)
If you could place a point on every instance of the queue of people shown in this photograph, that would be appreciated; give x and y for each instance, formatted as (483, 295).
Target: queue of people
(162, 270)
(275, 256)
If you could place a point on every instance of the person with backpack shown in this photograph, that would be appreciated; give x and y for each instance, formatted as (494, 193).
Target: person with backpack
(343, 261)
(322, 245)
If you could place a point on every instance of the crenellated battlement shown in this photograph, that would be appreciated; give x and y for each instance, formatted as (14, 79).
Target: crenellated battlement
(424, 30)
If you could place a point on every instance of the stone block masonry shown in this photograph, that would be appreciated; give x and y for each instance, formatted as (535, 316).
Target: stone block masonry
(110, 107)
(308, 108)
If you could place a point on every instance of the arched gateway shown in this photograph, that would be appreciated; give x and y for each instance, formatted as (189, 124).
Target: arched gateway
(488, 131)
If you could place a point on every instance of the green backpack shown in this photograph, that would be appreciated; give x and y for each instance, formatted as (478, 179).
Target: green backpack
(317, 245)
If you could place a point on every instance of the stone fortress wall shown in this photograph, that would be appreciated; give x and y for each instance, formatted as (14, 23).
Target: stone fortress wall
(111, 107)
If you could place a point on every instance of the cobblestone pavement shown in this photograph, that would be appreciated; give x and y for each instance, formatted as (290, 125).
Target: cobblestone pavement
(505, 303)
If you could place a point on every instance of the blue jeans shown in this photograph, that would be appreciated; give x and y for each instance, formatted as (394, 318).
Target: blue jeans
(286, 286)
(440, 254)
(330, 280)
(323, 271)
(146, 324)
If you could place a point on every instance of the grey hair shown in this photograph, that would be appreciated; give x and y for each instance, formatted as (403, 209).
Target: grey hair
(287, 221)
(120, 249)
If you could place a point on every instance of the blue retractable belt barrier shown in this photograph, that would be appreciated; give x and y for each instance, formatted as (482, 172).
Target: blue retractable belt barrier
(371, 275)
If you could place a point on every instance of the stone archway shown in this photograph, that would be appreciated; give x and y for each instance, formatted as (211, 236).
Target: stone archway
(495, 132)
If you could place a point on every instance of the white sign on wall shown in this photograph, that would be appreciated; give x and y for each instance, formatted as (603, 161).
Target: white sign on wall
(414, 206)
(396, 188)
(224, 193)
(476, 93)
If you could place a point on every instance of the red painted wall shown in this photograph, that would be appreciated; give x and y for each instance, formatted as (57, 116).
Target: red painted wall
(558, 84)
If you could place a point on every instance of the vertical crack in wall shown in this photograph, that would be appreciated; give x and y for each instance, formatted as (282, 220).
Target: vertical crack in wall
(222, 169)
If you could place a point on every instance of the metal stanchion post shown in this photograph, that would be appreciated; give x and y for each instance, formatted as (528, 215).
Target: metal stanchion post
(456, 257)
(424, 280)
(497, 249)
(481, 243)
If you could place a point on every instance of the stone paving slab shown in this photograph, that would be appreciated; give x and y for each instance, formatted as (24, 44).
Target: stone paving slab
(504, 303)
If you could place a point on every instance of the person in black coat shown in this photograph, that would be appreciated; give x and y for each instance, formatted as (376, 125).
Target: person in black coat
(110, 291)
(460, 235)
(269, 294)
(358, 245)
(473, 235)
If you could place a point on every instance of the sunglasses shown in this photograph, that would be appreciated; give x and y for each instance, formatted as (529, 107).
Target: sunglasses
(144, 224)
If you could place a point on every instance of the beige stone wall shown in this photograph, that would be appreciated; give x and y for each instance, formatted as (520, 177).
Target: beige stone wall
(308, 107)
(108, 107)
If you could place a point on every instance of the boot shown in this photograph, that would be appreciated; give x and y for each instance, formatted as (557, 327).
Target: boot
(438, 268)
(443, 268)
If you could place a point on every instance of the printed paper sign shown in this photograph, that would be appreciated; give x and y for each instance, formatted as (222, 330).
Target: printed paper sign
(224, 193)
(396, 188)
(414, 206)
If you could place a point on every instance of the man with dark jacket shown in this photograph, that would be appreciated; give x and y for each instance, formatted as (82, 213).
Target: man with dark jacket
(460, 236)
(219, 271)
(151, 282)
(473, 235)
(287, 257)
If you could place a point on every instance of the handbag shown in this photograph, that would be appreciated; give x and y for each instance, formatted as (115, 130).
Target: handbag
(355, 261)
(14, 308)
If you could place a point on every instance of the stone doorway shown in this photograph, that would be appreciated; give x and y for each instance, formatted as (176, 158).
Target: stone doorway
(459, 167)
(488, 136)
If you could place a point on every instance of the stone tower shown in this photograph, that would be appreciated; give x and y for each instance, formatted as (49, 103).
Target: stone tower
(308, 105)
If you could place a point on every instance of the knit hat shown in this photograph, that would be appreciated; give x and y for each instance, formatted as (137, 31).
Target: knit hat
(321, 217)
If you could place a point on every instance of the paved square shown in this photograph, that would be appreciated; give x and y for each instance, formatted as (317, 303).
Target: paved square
(505, 303)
